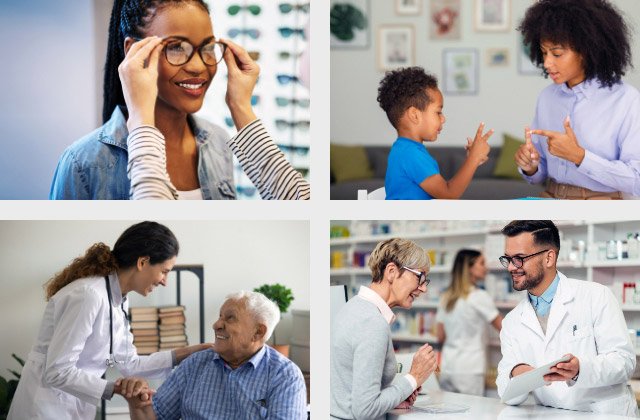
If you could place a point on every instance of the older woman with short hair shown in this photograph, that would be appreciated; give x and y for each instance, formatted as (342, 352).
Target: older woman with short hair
(363, 363)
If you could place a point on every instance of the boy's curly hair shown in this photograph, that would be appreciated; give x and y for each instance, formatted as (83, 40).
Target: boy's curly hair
(403, 88)
(595, 29)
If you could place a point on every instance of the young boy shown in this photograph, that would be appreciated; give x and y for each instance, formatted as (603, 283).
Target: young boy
(413, 104)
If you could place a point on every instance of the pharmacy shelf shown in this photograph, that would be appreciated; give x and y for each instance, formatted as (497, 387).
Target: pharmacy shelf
(425, 305)
(361, 271)
(351, 240)
(612, 263)
(506, 305)
(411, 338)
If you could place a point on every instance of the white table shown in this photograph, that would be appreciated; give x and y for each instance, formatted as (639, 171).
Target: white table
(492, 408)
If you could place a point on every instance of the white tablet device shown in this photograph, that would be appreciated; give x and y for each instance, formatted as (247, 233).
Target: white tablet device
(527, 382)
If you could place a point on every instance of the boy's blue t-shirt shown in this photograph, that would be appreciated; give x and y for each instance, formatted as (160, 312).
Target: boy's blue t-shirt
(409, 164)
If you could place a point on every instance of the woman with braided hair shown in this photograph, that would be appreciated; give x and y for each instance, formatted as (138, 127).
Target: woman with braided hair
(161, 58)
(84, 329)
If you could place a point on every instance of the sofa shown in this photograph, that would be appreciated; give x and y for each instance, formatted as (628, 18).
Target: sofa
(485, 185)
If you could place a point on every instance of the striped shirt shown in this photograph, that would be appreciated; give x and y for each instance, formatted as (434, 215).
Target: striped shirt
(204, 386)
(262, 161)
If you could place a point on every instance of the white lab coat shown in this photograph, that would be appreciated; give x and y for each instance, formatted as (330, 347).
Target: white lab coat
(62, 375)
(599, 340)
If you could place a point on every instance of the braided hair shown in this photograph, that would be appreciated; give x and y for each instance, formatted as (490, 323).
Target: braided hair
(128, 19)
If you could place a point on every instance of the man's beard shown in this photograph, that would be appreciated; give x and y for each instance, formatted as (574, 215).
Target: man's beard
(530, 280)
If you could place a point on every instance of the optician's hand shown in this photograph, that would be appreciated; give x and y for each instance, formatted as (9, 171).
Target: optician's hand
(139, 77)
(563, 145)
(564, 371)
(424, 364)
(527, 156)
(243, 74)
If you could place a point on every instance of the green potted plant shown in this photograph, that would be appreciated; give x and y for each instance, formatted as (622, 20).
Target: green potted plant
(8, 388)
(282, 296)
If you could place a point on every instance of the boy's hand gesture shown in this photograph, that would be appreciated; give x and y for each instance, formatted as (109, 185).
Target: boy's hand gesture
(478, 149)
(527, 156)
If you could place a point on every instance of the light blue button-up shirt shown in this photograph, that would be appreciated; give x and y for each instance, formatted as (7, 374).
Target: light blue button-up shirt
(541, 304)
(606, 122)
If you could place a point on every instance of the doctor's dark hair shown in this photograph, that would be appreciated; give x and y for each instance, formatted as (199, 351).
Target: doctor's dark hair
(544, 232)
(129, 18)
(404, 88)
(145, 239)
(595, 29)
(461, 284)
(398, 251)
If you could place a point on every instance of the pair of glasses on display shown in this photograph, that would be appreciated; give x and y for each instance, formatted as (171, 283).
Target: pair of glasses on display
(251, 33)
(234, 9)
(255, 55)
(246, 190)
(288, 7)
(284, 124)
(285, 55)
(286, 31)
(282, 102)
(285, 79)
(298, 150)
(179, 51)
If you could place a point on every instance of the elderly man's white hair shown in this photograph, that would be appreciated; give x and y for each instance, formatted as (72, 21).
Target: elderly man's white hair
(264, 311)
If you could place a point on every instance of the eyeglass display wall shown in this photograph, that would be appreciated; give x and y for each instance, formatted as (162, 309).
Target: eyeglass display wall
(273, 32)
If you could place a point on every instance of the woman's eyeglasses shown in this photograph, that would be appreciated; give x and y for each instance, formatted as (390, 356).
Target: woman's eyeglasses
(282, 102)
(422, 277)
(179, 52)
(517, 261)
(251, 33)
(288, 7)
(234, 9)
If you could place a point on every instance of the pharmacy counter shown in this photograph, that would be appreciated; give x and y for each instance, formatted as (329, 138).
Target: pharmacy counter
(489, 408)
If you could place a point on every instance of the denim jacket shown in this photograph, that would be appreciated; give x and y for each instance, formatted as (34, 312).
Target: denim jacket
(95, 167)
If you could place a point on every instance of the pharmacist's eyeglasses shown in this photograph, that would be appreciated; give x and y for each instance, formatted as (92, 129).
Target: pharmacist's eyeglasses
(422, 277)
(517, 261)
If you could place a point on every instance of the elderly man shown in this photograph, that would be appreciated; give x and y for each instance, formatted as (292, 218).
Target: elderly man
(563, 316)
(241, 378)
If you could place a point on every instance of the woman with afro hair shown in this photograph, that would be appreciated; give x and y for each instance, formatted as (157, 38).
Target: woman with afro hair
(585, 136)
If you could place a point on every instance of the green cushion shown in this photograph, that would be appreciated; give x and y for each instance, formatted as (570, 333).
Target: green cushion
(506, 166)
(349, 163)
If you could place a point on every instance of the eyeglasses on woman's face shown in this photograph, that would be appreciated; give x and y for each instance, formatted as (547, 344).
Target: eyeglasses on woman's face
(517, 261)
(180, 51)
(422, 276)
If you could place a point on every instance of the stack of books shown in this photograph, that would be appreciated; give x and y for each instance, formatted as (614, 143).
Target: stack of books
(144, 327)
(171, 327)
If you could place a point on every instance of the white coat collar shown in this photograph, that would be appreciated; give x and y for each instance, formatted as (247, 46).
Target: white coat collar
(116, 292)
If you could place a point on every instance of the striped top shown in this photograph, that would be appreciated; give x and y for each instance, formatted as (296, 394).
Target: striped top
(260, 157)
(204, 387)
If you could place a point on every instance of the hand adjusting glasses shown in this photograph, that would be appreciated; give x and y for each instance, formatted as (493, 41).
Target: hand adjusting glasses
(179, 51)
(517, 261)
(422, 277)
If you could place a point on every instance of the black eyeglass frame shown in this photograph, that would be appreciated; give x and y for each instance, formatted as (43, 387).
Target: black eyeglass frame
(423, 280)
(207, 41)
(505, 260)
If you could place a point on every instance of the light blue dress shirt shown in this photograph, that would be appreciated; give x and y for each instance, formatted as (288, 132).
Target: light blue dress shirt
(606, 122)
(203, 386)
(541, 304)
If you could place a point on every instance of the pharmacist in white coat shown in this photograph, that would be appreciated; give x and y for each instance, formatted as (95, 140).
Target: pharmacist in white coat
(563, 316)
(84, 328)
(463, 315)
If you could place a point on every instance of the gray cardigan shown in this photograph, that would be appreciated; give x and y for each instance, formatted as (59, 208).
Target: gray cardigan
(363, 364)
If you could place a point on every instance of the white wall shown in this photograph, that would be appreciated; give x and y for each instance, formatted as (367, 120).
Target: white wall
(47, 87)
(236, 255)
(506, 99)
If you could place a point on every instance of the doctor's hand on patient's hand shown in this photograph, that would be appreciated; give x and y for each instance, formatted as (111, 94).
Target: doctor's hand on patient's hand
(243, 75)
(134, 389)
(139, 78)
(564, 371)
(527, 156)
(424, 364)
(563, 145)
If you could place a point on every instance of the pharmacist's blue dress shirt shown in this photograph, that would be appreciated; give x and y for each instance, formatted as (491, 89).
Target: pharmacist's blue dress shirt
(606, 122)
(204, 387)
(541, 304)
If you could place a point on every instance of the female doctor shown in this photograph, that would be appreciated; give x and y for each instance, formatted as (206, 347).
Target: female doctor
(462, 315)
(84, 328)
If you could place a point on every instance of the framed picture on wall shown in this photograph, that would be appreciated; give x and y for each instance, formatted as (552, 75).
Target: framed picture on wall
(525, 65)
(349, 23)
(408, 7)
(497, 57)
(444, 17)
(396, 47)
(460, 71)
(492, 15)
